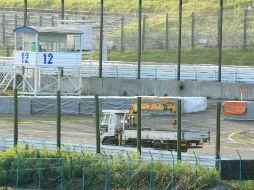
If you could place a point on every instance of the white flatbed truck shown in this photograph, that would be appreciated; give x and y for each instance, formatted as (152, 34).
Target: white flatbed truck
(117, 129)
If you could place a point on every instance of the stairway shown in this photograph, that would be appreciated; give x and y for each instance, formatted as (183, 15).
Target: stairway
(6, 77)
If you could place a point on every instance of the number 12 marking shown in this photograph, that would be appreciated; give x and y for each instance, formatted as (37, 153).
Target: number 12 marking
(49, 61)
(25, 57)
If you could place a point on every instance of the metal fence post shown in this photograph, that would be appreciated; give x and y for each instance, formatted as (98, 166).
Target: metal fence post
(240, 168)
(196, 170)
(40, 20)
(144, 32)
(25, 13)
(15, 117)
(151, 173)
(173, 168)
(59, 119)
(220, 40)
(179, 41)
(101, 39)
(3, 28)
(217, 151)
(179, 130)
(167, 36)
(62, 9)
(62, 172)
(7, 51)
(17, 173)
(28, 20)
(52, 20)
(129, 172)
(16, 21)
(122, 34)
(245, 28)
(97, 121)
(193, 30)
(219, 173)
(139, 36)
(39, 172)
(106, 187)
(84, 173)
(139, 125)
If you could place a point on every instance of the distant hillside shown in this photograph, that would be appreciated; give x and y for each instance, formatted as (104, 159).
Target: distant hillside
(155, 6)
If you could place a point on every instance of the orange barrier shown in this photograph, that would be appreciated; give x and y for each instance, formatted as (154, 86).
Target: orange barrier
(234, 108)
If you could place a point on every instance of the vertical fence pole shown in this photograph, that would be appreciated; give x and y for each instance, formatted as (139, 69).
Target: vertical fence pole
(193, 30)
(122, 33)
(62, 173)
(144, 32)
(7, 51)
(173, 168)
(139, 125)
(16, 20)
(106, 185)
(220, 40)
(217, 152)
(129, 172)
(62, 9)
(28, 20)
(52, 21)
(179, 130)
(39, 171)
(245, 28)
(40, 19)
(58, 119)
(15, 117)
(25, 12)
(167, 40)
(196, 170)
(84, 173)
(101, 39)
(3, 28)
(139, 36)
(240, 168)
(17, 172)
(97, 118)
(180, 41)
(151, 173)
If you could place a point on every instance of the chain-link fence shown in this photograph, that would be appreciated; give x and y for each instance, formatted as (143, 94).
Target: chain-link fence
(158, 168)
(159, 33)
(106, 172)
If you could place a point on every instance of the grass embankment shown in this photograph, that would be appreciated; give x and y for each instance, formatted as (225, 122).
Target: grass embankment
(51, 169)
(128, 6)
(206, 21)
(189, 56)
(238, 57)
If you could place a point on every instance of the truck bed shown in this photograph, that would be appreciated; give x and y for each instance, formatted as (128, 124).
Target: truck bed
(166, 135)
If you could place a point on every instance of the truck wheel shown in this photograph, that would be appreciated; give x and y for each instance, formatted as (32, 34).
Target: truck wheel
(157, 145)
(110, 141)
(106, 141)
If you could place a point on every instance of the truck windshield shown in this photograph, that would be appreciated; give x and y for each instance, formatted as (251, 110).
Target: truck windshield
(104, 119)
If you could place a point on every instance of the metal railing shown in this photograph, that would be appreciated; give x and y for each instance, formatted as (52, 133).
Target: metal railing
(114, 69)
(204, 160)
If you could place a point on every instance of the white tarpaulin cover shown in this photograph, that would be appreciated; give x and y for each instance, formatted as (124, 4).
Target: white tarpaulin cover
(194, 104)
(86, 104)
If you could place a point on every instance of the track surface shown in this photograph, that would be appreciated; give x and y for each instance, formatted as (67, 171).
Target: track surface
(81, 129)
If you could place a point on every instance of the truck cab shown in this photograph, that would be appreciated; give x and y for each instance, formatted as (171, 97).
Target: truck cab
(112, 123)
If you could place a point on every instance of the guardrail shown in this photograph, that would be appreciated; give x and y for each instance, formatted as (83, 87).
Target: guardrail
(232, 74)
(204, 160)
